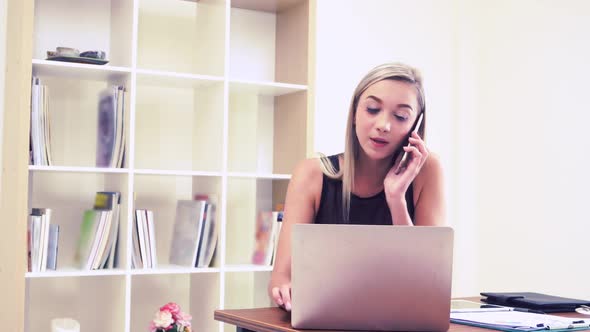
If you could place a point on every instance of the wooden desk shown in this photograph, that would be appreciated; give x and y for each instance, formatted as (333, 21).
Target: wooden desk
(278, 320)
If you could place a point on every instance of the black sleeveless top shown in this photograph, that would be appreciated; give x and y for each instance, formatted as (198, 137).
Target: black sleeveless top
(363, 210)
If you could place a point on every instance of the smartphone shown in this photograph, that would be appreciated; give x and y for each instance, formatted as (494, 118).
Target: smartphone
(404, 160)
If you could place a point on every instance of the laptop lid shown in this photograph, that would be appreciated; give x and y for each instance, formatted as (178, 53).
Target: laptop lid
(371, 277)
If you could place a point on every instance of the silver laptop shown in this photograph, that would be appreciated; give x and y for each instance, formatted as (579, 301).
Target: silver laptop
(365, 277)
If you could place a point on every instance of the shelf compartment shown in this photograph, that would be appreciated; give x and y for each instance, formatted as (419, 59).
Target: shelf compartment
(85, 25)
(44, 68)
(246, 198)
(196, 294)
(245, 290)
(78, 298)
(69, 195)
(73, 106)
(160, 194)
(269, 41)
(179, 129)
(182, 36)
(267, 135)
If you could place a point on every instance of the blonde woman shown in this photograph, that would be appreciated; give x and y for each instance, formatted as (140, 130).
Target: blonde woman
(371, 182)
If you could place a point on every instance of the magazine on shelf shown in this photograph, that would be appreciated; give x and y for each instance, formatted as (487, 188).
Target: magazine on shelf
(110, 141)
(209, 242)
(144, 240)
(40, 129)
(268, 226)
(42, 239)
(99, 233)
(188, 224)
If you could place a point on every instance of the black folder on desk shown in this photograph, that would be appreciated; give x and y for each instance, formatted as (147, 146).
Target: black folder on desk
(535, 301)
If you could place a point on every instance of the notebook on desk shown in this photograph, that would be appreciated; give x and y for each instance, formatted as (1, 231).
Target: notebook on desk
(365, 277)
(516, 321)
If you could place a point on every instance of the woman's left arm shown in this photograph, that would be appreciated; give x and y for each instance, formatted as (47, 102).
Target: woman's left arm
(425, 174)
(429, 194)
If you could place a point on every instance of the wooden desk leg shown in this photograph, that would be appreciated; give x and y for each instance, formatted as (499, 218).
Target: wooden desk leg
(241, 329)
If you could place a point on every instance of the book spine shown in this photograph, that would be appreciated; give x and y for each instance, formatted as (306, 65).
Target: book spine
(52, 247)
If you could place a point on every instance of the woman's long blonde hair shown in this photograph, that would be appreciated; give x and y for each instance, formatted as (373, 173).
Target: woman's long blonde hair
(389, 71)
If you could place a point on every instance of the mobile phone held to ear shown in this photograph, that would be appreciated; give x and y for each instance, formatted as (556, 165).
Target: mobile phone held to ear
(404, 160)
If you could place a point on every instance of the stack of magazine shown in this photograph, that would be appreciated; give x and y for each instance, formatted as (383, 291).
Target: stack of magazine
(99, 233)
(195, 233)
(40, 133)
(268, 228)
(42, 238)
(110, 141)
(144, 240)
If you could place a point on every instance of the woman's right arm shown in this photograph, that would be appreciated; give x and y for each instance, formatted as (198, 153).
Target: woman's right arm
(303, 195)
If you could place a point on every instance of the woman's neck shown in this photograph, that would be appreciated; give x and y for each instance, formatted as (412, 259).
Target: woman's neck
(369, 175)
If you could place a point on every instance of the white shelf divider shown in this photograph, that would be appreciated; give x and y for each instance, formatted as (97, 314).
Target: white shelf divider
(175, 79)
(69, 169)
(71, 272)
(78, 70)
(175, 172)
(265, 88)
(171, 269)
(259, 176)
(247, 268)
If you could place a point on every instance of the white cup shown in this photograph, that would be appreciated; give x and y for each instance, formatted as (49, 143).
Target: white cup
(65, 325)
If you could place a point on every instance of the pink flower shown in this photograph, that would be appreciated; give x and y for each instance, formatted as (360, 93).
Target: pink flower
(163, 319)
(153, 327)
(184, 319)
(171, 307)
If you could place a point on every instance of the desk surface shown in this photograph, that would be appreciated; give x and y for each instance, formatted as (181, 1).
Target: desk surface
(278, 320)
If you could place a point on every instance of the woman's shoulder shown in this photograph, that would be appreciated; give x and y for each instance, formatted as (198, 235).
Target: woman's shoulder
(307, 180)
(308, 169)
(431, 172)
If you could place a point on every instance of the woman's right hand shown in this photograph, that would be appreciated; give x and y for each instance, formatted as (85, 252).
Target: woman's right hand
(281, 294)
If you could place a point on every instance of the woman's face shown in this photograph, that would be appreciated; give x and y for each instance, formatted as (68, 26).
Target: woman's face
(384, 117)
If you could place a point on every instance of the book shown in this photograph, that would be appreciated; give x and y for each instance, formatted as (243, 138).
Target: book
(41, 223)
(52, 247)
(152, 237)
(35, 230)
(105, 141)
(276, 234)
(99, 232)
(108, 202)
(209, 243)
(136, 258)
(142, 237)
(40, 129)
(264, 243)
(110, 142)
(187, 232)
(88, 229)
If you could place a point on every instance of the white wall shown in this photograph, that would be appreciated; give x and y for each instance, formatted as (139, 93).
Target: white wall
(507, 112)
(533, 148)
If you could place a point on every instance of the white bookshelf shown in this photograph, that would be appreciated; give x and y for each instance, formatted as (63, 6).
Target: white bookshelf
(217, 103)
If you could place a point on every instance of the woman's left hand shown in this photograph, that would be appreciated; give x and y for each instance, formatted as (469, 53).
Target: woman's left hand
(400, 176)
